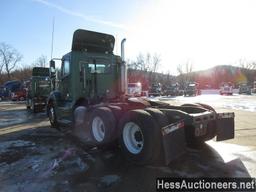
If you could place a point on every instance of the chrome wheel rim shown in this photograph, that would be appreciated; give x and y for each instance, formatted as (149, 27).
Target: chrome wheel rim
(133, 138)
(98, 129)
(51, 115)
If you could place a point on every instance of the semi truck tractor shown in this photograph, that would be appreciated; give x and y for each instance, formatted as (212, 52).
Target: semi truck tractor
(191, 89)
(155, 90)
(91, 103)
(226, 88)
(39, 89)
(244, 89)
(173, 90)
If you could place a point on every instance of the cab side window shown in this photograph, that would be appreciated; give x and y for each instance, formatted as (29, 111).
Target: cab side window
(65, 68)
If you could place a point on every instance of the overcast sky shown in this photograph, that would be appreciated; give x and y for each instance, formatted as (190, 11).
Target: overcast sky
(203, 32)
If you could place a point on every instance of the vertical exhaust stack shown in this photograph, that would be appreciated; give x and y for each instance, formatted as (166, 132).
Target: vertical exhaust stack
(124, 83)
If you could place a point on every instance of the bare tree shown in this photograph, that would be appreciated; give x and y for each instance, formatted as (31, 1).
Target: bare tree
(156, 62)
(9, 58)
(181, 75)
(40, 61)
(148, 62)
(253, 65)
(247, 65)
(1, 67)
(184, 71)
(180, 69)
(189, 67)
(140, 62)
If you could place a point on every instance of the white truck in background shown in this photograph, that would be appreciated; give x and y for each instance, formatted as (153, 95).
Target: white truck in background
(226, 89)
(134, 89)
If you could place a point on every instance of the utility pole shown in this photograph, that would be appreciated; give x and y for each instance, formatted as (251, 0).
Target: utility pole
(53, 22)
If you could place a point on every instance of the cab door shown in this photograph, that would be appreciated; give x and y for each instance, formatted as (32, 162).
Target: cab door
(85, 79)
(65, 105)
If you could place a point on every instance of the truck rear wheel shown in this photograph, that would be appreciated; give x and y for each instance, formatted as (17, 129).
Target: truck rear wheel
(102, 125)
(139, 140)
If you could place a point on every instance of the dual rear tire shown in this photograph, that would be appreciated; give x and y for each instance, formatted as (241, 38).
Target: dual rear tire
(102, 125)
(138, 130)
(140, 138)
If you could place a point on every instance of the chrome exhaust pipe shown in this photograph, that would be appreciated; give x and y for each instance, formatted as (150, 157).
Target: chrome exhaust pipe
(124, 83)
(122, 49)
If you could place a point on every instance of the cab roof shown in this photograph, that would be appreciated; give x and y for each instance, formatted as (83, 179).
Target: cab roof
(90, 41)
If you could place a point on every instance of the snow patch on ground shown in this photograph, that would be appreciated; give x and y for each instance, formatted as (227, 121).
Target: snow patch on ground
(232, 152)
(216, 91)
(242, 105)
(236, 101)
(228, 151)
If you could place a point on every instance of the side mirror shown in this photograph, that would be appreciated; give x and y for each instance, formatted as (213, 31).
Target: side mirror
(52, 64)
(52, 68)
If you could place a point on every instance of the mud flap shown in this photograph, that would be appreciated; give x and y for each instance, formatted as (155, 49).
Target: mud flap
(225, 126)
(174, 142)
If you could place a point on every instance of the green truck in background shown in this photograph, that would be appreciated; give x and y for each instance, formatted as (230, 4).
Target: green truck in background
(244, 89)
(39, 89)
(191, 89)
